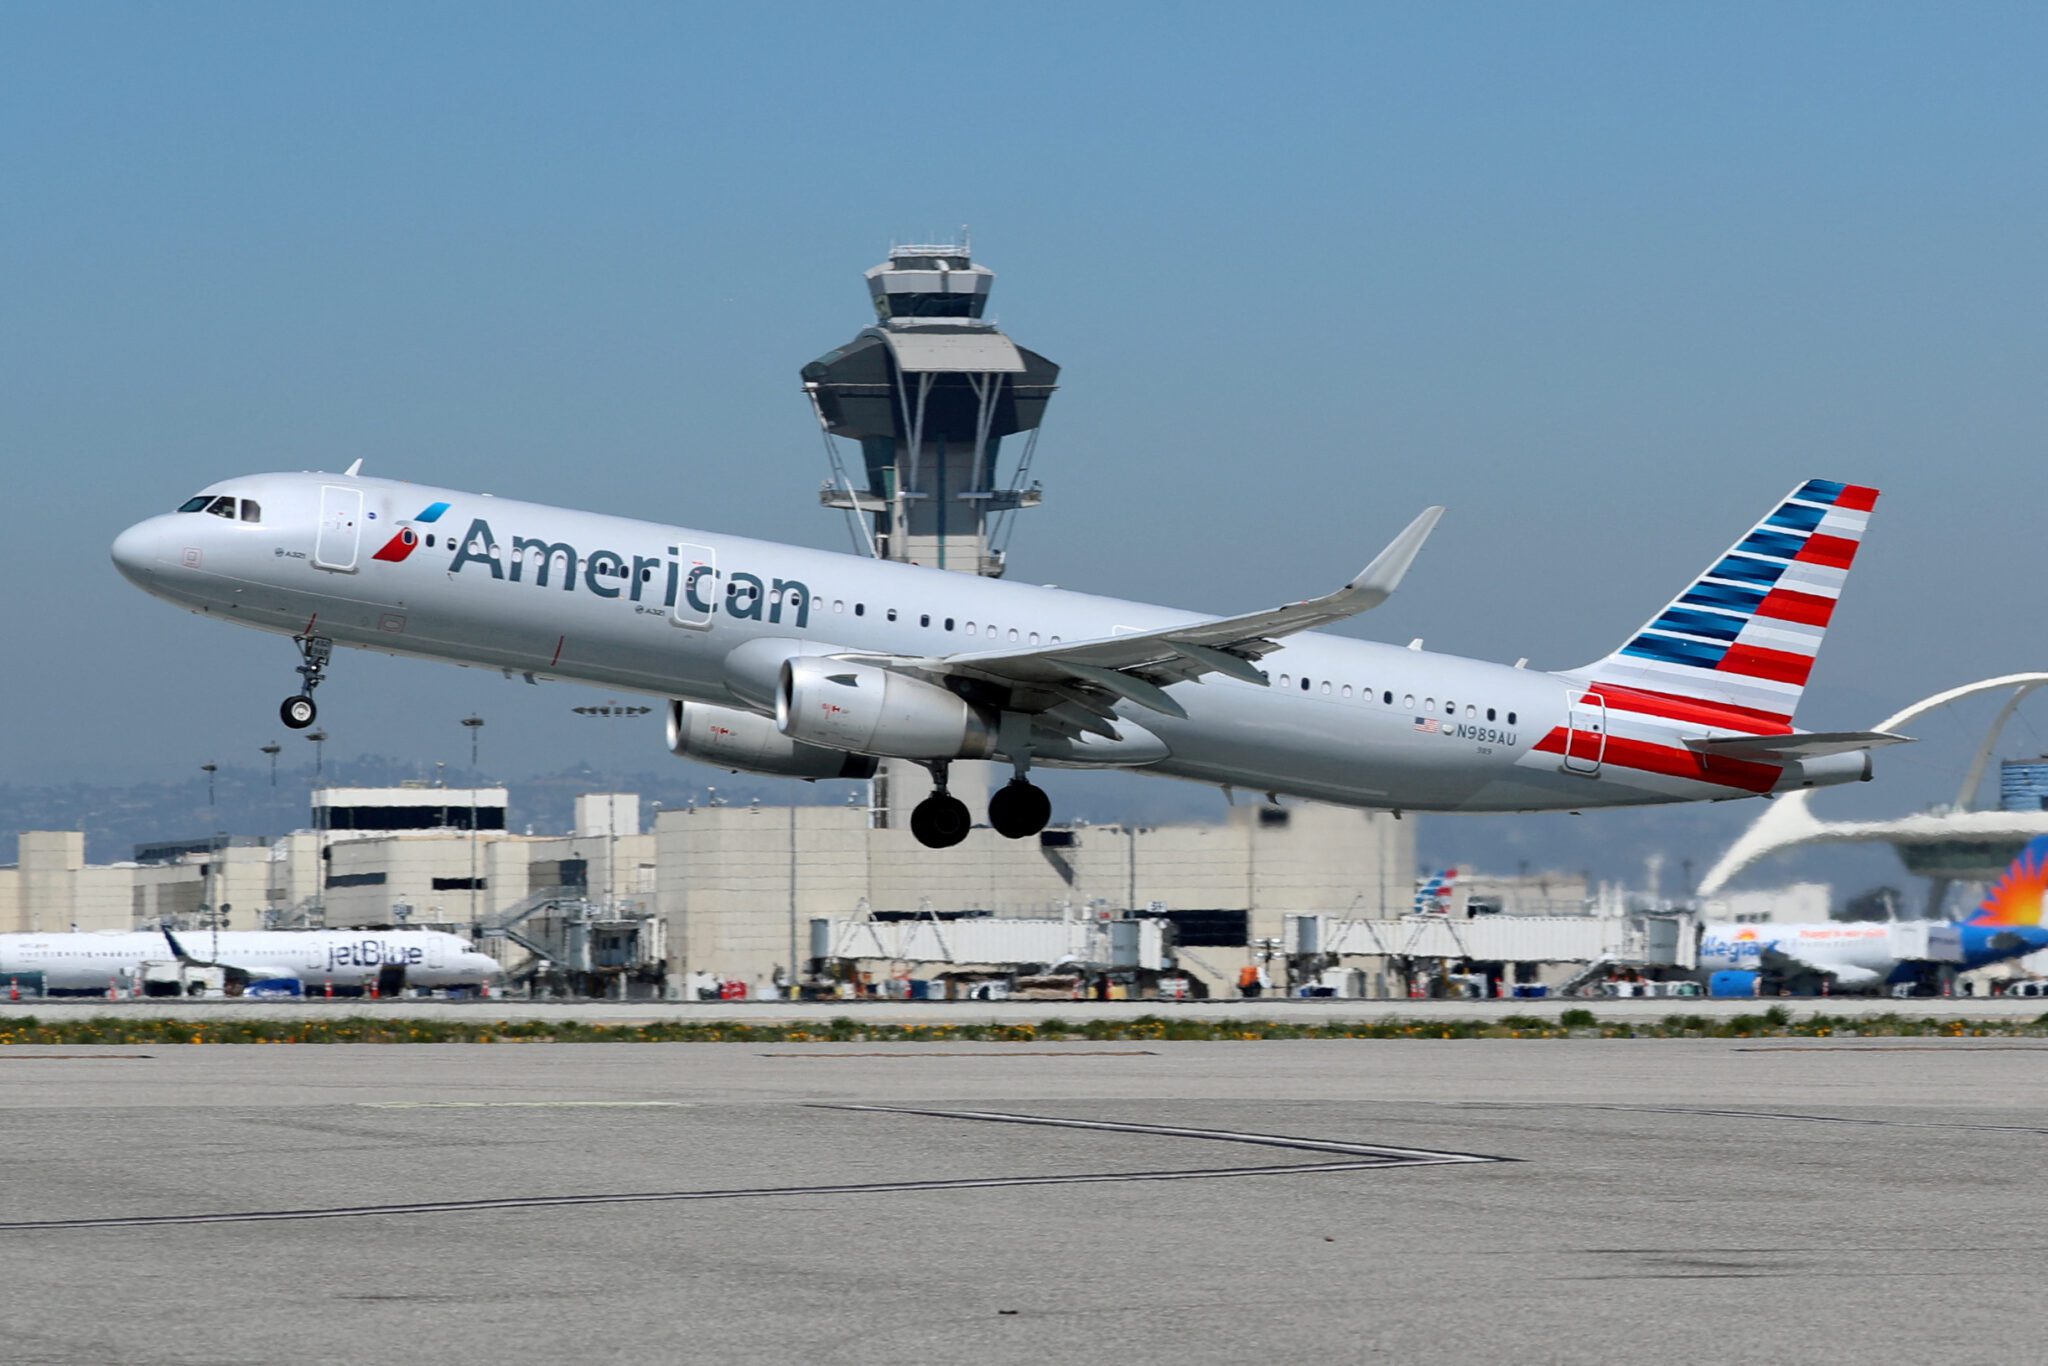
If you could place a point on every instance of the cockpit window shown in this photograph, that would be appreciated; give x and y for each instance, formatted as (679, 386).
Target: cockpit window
(252, 511)
(222, 506)
(197, 504)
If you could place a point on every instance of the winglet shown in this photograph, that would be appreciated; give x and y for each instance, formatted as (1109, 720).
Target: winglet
(1378, 580)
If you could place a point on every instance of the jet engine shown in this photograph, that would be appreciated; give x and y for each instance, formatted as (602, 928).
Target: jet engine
(875, 711)
(745, 740)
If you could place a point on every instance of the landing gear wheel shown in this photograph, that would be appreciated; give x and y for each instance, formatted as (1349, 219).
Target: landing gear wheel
(940, 821)
(298, 712)
(1019, 810)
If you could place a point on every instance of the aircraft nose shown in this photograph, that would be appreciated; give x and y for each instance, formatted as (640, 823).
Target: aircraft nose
(135, 550)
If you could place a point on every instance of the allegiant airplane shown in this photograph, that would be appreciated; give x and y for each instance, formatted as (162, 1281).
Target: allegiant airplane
(1861, 955)
(783, 660)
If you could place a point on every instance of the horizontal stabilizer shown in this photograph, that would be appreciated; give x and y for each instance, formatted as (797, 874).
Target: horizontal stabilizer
(1799, 745)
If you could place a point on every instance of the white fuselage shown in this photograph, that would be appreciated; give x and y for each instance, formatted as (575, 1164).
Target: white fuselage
(644, 607)
(89, 962)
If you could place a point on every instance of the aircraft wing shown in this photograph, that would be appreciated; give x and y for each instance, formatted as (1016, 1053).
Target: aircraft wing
(1844, 974)
(1137, 665)
(1799, 745)
(257, 974)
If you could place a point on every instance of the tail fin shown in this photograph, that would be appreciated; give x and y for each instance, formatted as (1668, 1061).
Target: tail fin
(1433, 897)
(1733, 650)
(2016, 899)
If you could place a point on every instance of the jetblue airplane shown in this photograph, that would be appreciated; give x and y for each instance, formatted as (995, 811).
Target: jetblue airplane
(348, 958)
(1861, 955)
(803, 663)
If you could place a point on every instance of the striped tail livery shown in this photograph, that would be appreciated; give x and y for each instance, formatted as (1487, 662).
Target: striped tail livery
(1734, 650)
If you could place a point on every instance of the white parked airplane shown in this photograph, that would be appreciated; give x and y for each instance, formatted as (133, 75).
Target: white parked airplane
(784, 660)
(348, 958)
(2010, 922)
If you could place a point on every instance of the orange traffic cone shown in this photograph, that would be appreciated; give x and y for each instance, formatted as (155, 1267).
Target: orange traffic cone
(330, 988)
(373, 988)
(13, 989)
(113, 990)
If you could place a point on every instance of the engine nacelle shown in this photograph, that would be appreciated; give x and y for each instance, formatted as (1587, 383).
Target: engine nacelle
(745, 740)
(874, 711)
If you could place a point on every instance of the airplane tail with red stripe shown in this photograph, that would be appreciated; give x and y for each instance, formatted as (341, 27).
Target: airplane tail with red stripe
(1734, 650)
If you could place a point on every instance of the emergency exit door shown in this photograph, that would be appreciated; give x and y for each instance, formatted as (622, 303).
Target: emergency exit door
(1585, 733)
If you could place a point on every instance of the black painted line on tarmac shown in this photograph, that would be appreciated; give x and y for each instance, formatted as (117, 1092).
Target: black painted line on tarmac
(660, 1197)
(1317, 1145)
(1365, 1157)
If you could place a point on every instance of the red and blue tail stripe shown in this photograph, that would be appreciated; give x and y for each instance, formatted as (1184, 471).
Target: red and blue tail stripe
(1734, 650)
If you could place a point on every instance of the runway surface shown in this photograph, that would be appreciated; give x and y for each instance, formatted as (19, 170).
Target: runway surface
(1563, 1200)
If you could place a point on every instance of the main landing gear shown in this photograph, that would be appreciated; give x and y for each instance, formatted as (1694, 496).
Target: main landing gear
(941, 820)
(1019, 810)
(298, 712)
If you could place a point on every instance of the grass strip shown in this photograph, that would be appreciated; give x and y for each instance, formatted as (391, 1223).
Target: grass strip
(1775, 1022)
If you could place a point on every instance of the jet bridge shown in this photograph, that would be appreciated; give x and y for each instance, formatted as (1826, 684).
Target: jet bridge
(998, 942)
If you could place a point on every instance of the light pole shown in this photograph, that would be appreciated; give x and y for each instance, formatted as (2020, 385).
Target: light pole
(614, 711)
(319, 741)
(475, 726)
(273, 749)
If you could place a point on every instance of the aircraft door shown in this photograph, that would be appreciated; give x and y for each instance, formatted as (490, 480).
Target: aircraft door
(437, 956)
(696, 587)
(1585, 732)
(341, 529)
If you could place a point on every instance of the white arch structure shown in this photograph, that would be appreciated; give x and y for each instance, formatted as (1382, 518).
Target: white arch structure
(1789, 821)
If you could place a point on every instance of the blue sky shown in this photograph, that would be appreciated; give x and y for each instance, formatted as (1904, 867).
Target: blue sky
(1606, 279)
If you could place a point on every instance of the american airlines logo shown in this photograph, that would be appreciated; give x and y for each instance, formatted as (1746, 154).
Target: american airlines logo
(610, 574)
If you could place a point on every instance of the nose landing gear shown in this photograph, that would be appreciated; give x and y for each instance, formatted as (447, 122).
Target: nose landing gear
(298, 712)
(941, 820)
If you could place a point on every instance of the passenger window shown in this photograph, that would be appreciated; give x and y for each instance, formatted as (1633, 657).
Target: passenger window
(1408, 701)
(970, 627)
(949, 623)
(838, 604)
(1034, 637)
(252, 511)
(1304, 685)
(892, 614)
(991, 633)
(1055, 640)
(1013, 635)
(1489, 713)
(1347, 690)
(1326, 688)
(1470, 711)
(1511, 718)
(1450, 707)
(924, 619)
(1387, 698)
(1429, 704)
(1286, 680)
(197, 504)
(860, 609)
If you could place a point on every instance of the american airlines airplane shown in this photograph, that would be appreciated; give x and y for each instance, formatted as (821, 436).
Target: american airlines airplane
(348, 958)
(803, 663)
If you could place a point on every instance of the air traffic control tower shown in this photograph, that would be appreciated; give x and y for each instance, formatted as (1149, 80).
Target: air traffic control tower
(929, 392)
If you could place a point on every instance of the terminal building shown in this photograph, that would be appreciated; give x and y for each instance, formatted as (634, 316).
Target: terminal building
(718, 890)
